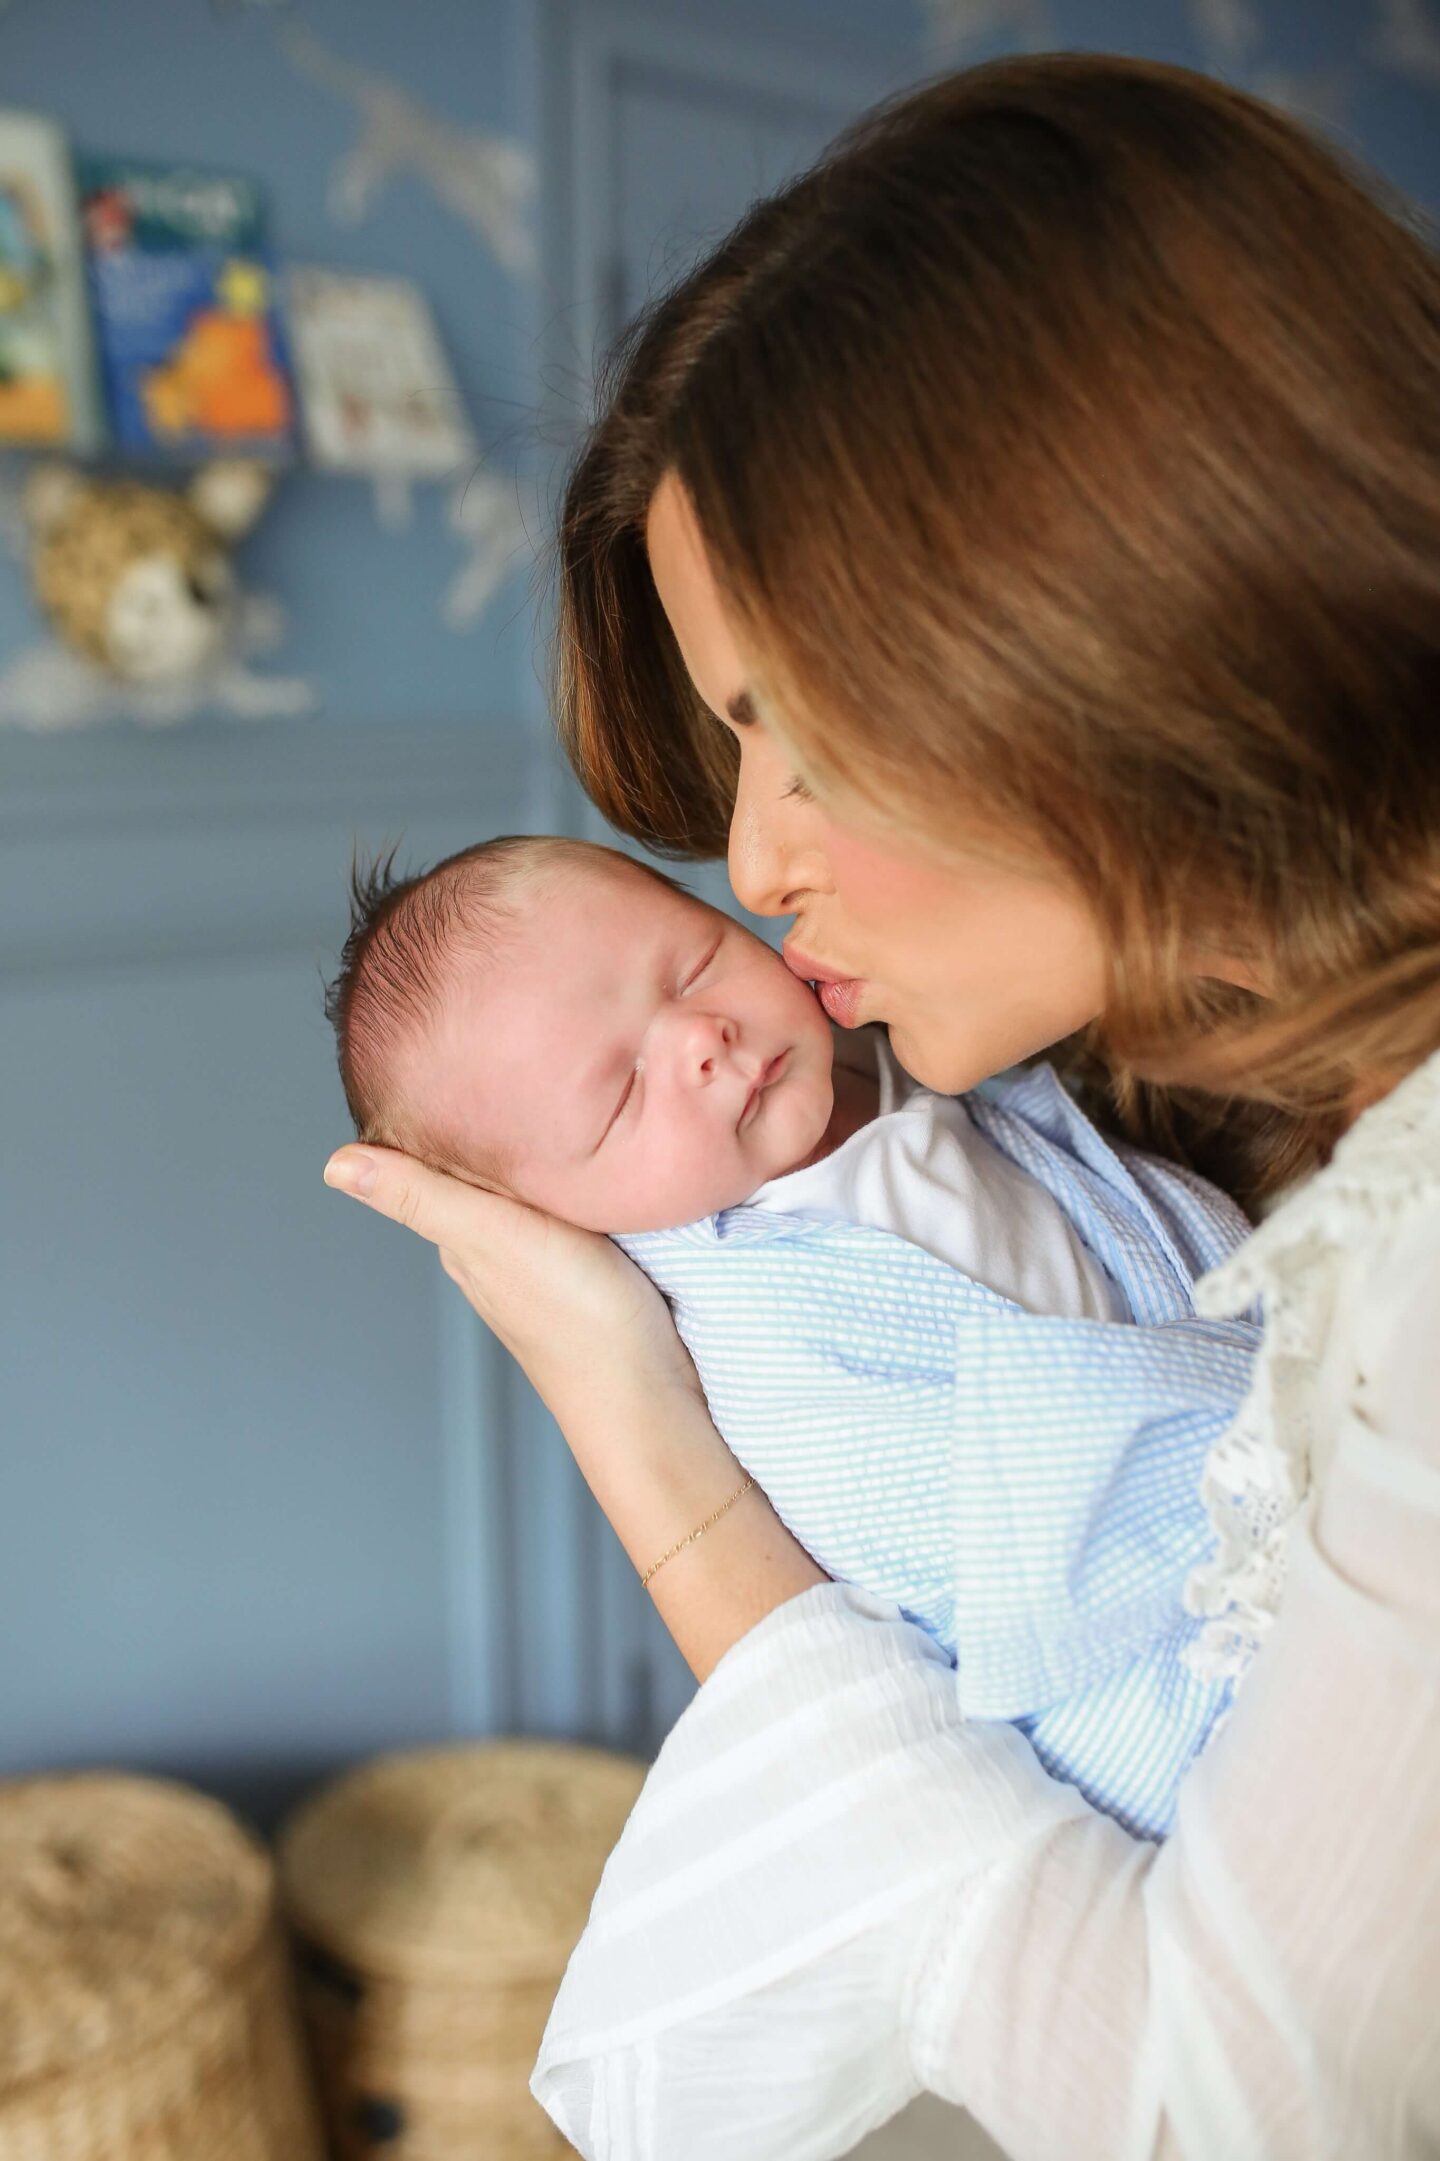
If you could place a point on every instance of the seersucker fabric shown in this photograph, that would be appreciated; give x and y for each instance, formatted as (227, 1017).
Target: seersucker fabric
(1025, 1487)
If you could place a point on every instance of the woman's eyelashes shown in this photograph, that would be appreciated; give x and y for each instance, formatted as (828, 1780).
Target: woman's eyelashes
(797, 791)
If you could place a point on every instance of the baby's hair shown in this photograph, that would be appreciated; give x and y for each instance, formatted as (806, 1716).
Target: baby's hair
(407, 932)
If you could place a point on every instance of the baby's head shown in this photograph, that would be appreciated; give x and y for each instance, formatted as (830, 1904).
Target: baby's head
(551, 1019)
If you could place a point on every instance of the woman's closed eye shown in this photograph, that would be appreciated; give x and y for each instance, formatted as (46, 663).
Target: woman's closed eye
(798, 792)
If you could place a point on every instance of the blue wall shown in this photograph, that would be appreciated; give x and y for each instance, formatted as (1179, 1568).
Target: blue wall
(191, 80)
(271, 1500)
(180, 79)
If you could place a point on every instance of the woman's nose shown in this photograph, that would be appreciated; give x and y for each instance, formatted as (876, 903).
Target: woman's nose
(774, 858)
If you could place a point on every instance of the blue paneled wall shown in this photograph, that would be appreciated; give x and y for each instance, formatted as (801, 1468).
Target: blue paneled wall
(189, 79)
(184, 80)
(271, 1500)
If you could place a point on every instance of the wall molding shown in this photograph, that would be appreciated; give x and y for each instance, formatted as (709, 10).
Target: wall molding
(169, 857)
(101, 781)
(223, 846)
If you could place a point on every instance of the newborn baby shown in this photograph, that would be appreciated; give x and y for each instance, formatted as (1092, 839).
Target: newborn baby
(902, 1306)
(559, 1022)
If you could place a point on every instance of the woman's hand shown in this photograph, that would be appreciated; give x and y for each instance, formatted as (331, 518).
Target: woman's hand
(598, 1343)
(580, 1317)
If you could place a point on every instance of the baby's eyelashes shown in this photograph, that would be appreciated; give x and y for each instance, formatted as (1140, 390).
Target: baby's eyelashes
(695, 973)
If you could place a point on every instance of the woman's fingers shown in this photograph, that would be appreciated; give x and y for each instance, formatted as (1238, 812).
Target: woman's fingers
(512, 1263)
(520, 1269)
(447, 1211)
(558, 1297)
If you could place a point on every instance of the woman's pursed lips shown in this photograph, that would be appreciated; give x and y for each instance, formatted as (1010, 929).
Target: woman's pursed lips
(840, 995)
(808, 969)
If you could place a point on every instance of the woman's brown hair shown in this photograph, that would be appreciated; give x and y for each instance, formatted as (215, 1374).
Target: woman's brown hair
(1067, 447)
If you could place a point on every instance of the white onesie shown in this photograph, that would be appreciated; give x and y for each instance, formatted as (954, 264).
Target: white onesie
(922, 1170)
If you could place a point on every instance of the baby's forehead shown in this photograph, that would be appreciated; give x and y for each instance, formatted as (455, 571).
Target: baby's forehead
(578, 917)
(590, 890)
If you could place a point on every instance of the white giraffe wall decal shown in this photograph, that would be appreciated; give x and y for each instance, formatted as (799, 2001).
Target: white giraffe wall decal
(957, 23)
(1409, 39)
(487, 180)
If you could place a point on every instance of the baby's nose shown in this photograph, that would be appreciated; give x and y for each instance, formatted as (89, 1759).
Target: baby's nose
(704, 1044)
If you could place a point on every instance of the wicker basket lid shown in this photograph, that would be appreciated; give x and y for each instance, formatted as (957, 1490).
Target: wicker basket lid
(124, 1902)
(454, 1864)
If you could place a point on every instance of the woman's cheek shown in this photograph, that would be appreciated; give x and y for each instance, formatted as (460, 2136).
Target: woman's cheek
(896, 905)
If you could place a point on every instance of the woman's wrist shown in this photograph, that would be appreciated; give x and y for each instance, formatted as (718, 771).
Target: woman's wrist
(650, 1453)
(716, 1589)
(654, 1461)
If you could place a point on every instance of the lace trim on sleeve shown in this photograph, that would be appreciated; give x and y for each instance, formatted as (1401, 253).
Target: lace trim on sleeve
(1259, 1471)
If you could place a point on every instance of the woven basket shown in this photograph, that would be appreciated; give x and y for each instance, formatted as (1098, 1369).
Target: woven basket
(144, 2002)
(436, 1898)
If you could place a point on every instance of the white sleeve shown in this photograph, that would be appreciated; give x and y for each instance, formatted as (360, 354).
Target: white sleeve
(834, 1889)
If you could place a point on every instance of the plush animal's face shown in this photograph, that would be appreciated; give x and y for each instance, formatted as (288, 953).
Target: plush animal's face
(138, 581)
(169, 616)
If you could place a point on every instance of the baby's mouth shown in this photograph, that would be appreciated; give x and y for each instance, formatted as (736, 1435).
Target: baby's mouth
(769, 1073)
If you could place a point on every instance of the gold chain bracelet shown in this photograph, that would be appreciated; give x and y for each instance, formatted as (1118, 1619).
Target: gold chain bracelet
(698, 1531)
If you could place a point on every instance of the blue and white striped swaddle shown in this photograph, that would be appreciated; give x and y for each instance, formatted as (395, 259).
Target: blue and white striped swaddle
(1026, 1488)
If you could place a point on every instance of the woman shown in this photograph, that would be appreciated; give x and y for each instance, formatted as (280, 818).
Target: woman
(1023, 539)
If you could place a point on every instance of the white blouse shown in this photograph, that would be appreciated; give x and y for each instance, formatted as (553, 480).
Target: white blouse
(835, 1891)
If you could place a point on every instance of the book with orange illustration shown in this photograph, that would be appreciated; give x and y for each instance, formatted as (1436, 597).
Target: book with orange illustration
(187, 315)
(47, 376)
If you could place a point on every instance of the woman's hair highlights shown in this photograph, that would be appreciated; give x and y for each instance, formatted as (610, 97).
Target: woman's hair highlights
(1067, 446)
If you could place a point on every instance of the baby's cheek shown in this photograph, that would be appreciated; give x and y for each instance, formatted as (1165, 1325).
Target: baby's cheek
(690, 1176)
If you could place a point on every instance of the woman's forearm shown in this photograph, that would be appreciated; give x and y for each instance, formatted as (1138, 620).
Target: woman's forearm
(838, 1868)
(658, 1468)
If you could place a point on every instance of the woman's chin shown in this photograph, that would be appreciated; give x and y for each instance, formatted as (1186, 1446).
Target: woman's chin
(947, 1067)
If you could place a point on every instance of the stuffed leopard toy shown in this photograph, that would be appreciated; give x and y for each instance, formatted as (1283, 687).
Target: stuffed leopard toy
(136, 578)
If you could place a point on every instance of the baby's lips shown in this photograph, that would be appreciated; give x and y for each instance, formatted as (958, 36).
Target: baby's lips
(770, 1072)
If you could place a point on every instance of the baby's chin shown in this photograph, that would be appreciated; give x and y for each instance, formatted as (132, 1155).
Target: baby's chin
(668, 1211)
(798, 1126)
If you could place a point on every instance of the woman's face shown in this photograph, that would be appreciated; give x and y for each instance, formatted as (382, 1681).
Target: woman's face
(970, 962)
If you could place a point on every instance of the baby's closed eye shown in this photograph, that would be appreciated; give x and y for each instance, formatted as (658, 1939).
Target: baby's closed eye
(689, 982)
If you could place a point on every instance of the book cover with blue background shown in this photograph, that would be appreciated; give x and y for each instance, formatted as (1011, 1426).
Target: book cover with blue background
(186, 305)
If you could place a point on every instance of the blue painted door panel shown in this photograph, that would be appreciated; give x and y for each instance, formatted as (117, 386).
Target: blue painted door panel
(253, 1447)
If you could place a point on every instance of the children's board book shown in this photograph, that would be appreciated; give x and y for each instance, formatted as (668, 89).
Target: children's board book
(186, 303)
(48, 390)
(376, 390)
